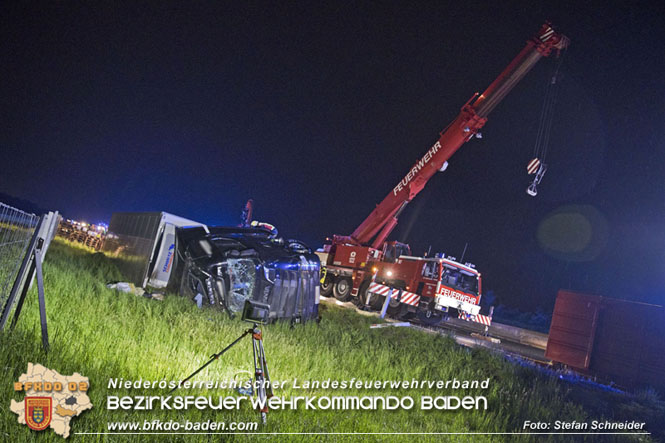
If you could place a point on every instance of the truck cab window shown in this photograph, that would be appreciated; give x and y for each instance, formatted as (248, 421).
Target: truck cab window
(430, 270)
(459, 279)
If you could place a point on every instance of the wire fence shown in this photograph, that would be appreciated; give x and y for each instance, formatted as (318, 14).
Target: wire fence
(16, 229)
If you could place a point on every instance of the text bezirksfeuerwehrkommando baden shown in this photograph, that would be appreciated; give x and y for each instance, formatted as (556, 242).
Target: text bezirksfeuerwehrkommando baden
(322, 402)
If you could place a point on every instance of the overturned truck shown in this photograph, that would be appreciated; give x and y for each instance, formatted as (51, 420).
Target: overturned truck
(221, 266)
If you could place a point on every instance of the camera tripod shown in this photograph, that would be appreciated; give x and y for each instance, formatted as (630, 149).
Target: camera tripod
(262, 385)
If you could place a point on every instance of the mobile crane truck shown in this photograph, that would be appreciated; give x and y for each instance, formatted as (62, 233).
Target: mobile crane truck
(367, 266)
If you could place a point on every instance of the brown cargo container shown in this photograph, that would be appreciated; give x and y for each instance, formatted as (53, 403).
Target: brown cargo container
(620, 340)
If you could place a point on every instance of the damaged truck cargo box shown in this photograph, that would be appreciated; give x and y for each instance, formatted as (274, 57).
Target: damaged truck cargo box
(222, 265)
(145, 243)
(230, 265)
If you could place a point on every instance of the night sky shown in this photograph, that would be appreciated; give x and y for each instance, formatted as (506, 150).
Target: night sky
(317, 110)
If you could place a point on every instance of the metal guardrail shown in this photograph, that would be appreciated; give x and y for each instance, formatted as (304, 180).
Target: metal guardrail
(533, 339)
(16, 229)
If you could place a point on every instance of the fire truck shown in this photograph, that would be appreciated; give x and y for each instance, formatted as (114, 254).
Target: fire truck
(367, 266)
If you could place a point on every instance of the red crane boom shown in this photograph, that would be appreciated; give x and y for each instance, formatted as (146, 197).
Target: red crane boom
(383, 219)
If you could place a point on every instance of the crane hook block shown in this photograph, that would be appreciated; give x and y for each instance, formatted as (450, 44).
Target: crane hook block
(541, 168)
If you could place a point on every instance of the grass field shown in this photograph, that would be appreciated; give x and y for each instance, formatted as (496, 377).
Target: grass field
(102, 334)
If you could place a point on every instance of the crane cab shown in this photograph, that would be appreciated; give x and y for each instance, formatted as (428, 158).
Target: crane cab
(393, 250)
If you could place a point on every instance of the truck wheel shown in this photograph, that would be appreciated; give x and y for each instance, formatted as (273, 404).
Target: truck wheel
(429, 317)
(376, 301)
(395, 307)
(327, 287)
(342, 289)
(401, 312)
(361, 298)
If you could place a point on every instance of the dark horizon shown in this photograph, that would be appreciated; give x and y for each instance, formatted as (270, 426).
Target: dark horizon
(317, 112)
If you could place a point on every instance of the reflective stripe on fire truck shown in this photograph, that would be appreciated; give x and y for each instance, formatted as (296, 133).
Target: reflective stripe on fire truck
(407, 297)
(482, 319)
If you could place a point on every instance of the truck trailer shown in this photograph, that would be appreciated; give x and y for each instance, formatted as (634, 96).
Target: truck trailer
(221, 266)
(145, 242)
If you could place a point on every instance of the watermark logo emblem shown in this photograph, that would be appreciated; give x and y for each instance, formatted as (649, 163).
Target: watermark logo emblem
(51, 399)
(38, 412)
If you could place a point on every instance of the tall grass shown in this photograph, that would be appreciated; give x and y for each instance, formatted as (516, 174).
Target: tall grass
(102, 333)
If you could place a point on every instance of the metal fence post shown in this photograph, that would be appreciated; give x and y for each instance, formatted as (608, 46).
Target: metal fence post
(21, 277)
(40, 290)
(31, 265)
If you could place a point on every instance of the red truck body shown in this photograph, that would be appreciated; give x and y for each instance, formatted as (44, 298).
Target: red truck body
(434, 284)
(619, 340)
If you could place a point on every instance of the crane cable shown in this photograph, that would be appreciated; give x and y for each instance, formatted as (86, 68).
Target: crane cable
(538, 166)
(547, 112)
